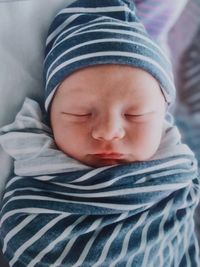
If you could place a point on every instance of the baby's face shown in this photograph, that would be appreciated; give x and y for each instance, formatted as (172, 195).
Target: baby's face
(108, 114)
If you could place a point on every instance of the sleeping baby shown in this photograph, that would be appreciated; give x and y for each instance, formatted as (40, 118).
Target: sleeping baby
(101, 177)
(114, 113)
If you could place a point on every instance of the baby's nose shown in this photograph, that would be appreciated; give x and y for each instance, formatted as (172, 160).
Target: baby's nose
(108, 129)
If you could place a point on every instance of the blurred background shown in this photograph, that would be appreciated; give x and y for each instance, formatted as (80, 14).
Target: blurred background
(176, 27)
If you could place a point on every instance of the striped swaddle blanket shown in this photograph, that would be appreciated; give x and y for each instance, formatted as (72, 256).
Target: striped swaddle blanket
(58, 212)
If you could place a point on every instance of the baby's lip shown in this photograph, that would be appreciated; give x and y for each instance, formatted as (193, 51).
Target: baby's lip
(109, 155)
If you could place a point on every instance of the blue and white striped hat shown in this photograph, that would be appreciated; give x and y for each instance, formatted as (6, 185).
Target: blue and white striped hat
(92, 32)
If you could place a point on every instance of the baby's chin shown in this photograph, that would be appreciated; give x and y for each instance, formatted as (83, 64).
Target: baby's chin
(105, 162)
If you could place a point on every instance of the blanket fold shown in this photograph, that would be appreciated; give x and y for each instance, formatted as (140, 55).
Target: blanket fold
(58, 212)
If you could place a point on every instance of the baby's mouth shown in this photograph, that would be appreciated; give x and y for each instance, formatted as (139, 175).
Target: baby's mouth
(109, 156)
(106, 159)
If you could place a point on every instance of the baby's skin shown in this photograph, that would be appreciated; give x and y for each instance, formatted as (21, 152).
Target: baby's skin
(108, 114)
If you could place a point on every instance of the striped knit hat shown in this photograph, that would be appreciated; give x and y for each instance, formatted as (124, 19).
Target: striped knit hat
(92, 32)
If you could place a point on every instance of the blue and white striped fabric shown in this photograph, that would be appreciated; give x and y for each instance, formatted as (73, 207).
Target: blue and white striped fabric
(58, 212)
(89, 33)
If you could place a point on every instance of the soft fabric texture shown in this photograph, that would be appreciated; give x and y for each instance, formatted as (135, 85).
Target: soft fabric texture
(59, 212)
(23, 30)
(90, 33)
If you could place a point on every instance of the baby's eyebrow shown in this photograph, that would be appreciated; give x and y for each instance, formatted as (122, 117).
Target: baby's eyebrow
(76, 105)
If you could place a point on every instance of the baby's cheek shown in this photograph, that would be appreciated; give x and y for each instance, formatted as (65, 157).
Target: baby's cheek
(60, 135)
(149, 138)
(70, 139)
(60, 141)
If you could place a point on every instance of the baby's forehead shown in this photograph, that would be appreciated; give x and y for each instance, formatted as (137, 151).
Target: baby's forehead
(104, 86)
(109, 81)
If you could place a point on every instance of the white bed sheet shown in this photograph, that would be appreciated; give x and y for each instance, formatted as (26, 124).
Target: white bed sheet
(23, 29)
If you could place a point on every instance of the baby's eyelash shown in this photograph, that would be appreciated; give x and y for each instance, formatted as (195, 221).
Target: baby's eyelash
(77, 115)
(135, 115)
(140, 114)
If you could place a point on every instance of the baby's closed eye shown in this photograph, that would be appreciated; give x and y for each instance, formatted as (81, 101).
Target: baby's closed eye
(139, 116)
(76, 116)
